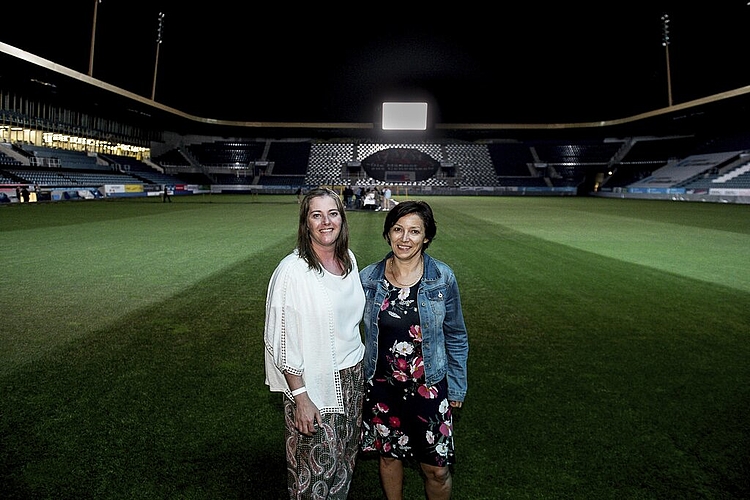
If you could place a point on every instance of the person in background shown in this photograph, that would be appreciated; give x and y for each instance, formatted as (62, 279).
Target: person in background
(349, 197)
(416, 355)
(369, 201)
(165, 195)
(387, 198)
(314, 350)
(378, 196)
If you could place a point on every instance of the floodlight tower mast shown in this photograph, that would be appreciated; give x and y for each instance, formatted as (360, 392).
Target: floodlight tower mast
(93, 38)
(665, 43)
(159, 33)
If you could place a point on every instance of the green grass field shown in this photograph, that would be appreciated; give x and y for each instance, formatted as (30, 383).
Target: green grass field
(610, 348)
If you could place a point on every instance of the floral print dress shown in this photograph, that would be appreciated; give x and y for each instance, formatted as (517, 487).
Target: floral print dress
(402, 417)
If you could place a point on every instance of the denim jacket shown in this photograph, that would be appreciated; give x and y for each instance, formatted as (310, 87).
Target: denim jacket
(445, 342)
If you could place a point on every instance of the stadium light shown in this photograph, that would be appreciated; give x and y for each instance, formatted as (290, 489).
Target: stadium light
(665, 43)
(404, 116)
(159, 33)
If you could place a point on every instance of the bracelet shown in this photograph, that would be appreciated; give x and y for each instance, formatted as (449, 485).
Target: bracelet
(297, 392)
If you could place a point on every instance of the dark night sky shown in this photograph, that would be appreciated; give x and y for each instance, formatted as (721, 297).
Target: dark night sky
(540, 62)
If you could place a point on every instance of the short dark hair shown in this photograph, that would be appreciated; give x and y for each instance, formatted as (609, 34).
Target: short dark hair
(422, 209)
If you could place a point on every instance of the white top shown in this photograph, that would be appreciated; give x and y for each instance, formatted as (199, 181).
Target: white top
(349, 347)
(312, 329)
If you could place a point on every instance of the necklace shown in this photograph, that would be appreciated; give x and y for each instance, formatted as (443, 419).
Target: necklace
(398, 283)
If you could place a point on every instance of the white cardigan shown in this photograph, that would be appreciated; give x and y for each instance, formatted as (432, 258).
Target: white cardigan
(300, 332)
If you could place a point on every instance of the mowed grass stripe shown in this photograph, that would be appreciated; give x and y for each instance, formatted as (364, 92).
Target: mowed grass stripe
(70, 279)
(668, 236)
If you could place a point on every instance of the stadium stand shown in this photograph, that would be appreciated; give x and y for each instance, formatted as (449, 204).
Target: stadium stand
(139, 169)
(6, 160)
(46, 144)
(288, 158)
(674, 173)
(42, 156)
(226, 153)
(734, 175)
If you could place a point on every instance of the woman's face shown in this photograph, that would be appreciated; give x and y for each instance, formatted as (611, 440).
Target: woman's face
(324, 221)
(407, 236)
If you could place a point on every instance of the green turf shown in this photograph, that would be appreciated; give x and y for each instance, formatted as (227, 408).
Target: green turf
(609, 348)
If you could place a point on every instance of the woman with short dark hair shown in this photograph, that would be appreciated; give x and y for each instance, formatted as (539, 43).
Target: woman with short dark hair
(416, 355)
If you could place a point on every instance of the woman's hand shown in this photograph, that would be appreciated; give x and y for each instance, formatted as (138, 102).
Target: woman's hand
(307, 418)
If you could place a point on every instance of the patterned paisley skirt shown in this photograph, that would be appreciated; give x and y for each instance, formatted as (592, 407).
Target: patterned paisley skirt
(322, 466)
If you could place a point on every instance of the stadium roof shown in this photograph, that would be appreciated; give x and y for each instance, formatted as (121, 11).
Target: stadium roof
(523, 64)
